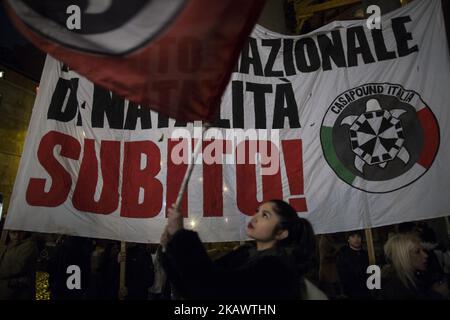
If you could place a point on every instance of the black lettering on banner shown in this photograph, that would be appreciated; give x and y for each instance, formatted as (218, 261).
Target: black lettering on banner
(288, 57)
(304, 55)
(312, 54)
(179, 123)
(275, 46)
(236, 66)
(79, 119)
(163, 121)
(402, 36)
(259, 93)
(107, 103)
(57, 110)
(254, 60)
(380, 46)
(353, 34)
(134, 112)
(284, 92)
(221, 123)
(237, 89)
(331, 49)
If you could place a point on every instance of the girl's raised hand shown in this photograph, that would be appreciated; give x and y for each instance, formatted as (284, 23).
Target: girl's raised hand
(174, 220)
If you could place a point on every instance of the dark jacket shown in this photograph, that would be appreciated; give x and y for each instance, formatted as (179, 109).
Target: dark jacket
(243, 274)
(352, 269)
(139, 273)
(72, 251)
(434, 271)
(18, 270)
(392, 288)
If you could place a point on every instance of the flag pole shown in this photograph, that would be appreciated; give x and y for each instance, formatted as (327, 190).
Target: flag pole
(123, 251)
(188, 174)
(370, 246)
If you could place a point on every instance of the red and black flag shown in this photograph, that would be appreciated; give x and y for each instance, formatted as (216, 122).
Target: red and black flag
(174, 56)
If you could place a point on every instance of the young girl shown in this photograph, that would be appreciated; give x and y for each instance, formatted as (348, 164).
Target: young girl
(272, 268)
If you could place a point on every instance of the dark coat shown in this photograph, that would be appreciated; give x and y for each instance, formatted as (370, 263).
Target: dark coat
(18, 270)
(352, 268)
(392, 288)
(72, 251)
(328, 251)
(243, 274)
(139, 273)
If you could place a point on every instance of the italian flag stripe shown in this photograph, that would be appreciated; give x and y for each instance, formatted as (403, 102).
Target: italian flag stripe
(430, 135)
(330, 155)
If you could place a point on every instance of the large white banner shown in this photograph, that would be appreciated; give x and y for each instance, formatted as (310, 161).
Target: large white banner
(348, 124)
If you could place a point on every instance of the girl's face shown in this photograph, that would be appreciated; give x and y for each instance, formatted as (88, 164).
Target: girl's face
(262, 225)
(419, 258)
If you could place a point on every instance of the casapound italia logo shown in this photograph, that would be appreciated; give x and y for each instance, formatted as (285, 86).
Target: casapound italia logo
(379, 137)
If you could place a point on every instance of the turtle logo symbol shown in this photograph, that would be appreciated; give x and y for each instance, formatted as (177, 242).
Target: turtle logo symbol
(376, 136)
(379, 137)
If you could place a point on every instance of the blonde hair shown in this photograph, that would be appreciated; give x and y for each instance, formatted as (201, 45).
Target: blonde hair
(398, 250)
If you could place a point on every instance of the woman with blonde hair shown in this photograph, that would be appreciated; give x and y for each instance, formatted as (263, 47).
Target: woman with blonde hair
(403, 278)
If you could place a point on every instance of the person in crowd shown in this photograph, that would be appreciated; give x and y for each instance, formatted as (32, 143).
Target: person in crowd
(97, 258)
(442, 253)
(352, 262)
(404, 278)
(18, 259)
(160, 290)
(328, 275)
(139, 272)
(110, 271)
(427, 237)
(429, 244)
(70, 251)
(272, 267)
(407, 227)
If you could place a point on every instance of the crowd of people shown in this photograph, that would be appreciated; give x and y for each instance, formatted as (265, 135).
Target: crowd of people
(98, 262)
(277, 264)
(415, 266)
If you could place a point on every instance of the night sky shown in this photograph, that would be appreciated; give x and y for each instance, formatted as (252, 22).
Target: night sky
(16, 52)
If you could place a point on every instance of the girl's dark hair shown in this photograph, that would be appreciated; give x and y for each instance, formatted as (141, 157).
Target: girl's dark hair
(301, 240)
